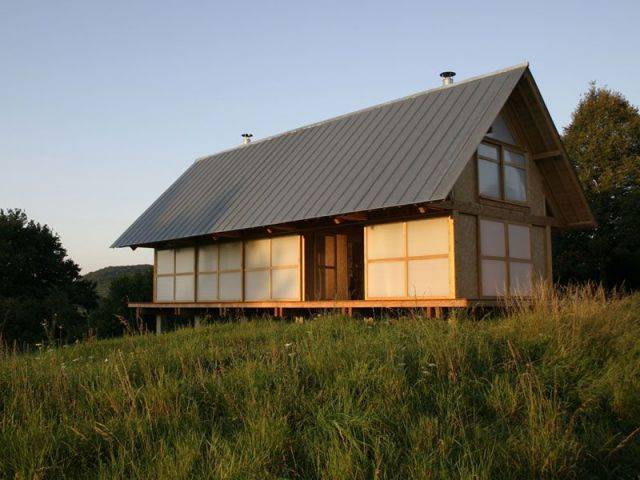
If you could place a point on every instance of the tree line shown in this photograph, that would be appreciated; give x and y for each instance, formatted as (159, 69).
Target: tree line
(44, 297)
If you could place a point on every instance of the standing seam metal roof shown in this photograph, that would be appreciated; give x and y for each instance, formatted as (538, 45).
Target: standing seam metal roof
(398, 153)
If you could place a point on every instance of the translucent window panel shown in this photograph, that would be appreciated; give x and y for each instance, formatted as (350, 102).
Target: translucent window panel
(519, 242)
(185, 288)
(207, 286)
(185, 260)
(230, 256)
(256, 253)
(386, 279)
(256, 285)
(428, 237)
(494, 277)
(488, 178)
(285, 250)
(230, 285)
(385, 241)
(515, 184)
(514, 157)
(208, 258)
(520, 278)
(500, 131)
(165, 262)
(488, 151)
(429, 277)
(285, 284)
(164, 289)
(492, 239)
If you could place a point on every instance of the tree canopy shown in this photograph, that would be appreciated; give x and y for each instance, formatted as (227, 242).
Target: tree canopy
(603, 141)
(41, 291)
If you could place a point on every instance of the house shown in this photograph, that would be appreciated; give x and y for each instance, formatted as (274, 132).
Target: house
(445, 198)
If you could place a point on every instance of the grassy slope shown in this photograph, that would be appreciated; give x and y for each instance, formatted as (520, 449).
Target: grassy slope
(554, 393)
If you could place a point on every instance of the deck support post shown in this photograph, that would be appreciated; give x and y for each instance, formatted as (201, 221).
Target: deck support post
(159, 318)
(196, 321)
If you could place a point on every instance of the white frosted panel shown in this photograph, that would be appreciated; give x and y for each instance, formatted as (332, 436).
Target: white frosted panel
(208, 258)
(165, 261)
(488, 178)
(429, 278)
(519, 242)
(492, 238)
(428, 237)
(494, 277)
(256, 253)
(230, 256)
(207, 286)
(520, 278)
(515, 184)
(230, 286)
(185, 260)
(285, 251)
(385, 241)
(256, 285)
(386, 279)
(185, 288)
(285, 284)
(164, 289)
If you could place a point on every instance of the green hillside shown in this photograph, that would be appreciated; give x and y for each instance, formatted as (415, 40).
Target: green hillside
(105, 276)
(548, 393)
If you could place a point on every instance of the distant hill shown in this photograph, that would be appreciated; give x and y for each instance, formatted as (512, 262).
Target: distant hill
(105, 276)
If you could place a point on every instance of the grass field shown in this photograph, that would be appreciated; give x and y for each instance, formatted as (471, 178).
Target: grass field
(543, 393)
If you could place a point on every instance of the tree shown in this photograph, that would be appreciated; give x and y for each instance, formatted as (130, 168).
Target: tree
(603, 141)
(41, 291)
(108, 319)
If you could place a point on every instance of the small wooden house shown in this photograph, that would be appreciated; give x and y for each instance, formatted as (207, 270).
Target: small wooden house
(444, 198)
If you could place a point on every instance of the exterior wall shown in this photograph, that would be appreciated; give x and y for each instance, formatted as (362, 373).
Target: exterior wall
(411, 259)
(466, 256)
(468, 270)
(252, 270)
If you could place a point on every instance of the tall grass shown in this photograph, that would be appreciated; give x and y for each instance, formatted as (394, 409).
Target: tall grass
(547, 390)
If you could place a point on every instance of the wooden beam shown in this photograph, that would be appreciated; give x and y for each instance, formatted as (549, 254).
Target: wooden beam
(505, 214)
(548, 154)
(353, 217)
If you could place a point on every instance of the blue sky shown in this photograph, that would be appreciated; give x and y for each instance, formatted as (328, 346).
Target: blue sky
(104, 104)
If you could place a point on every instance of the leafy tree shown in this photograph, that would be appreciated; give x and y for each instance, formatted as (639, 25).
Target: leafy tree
(41, 291)
(603, 141)
(113, 316)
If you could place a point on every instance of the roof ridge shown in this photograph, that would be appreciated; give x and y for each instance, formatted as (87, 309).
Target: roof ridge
(524, 64)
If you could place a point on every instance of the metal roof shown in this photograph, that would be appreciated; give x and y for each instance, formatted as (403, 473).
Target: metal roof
(398, 153)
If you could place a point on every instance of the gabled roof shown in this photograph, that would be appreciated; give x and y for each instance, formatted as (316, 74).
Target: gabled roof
(406, 151)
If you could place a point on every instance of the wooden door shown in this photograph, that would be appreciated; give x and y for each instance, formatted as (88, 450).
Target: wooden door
(331, 267)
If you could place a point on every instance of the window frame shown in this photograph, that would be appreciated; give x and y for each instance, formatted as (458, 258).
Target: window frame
(174, 274)
(507, 259)
(502, 163)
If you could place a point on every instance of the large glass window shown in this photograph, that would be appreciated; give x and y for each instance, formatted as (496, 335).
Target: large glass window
(502, 173)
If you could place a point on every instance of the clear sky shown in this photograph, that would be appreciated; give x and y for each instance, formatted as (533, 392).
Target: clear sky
(104, 104)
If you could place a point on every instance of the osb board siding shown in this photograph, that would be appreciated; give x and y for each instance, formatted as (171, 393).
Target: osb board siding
(466, 185)
(466, 259)
(535, 190)
(538, 253)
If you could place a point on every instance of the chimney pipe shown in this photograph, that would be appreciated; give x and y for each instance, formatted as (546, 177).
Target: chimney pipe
(447, 77)
(246, 138)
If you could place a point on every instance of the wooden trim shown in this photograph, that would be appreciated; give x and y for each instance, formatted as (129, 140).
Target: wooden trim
(509, 214)
(452, 256)
(381, 303)
(548, 254)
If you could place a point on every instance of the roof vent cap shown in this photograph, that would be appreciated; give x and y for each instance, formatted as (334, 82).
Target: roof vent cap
(246, 138)
(447, 77)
